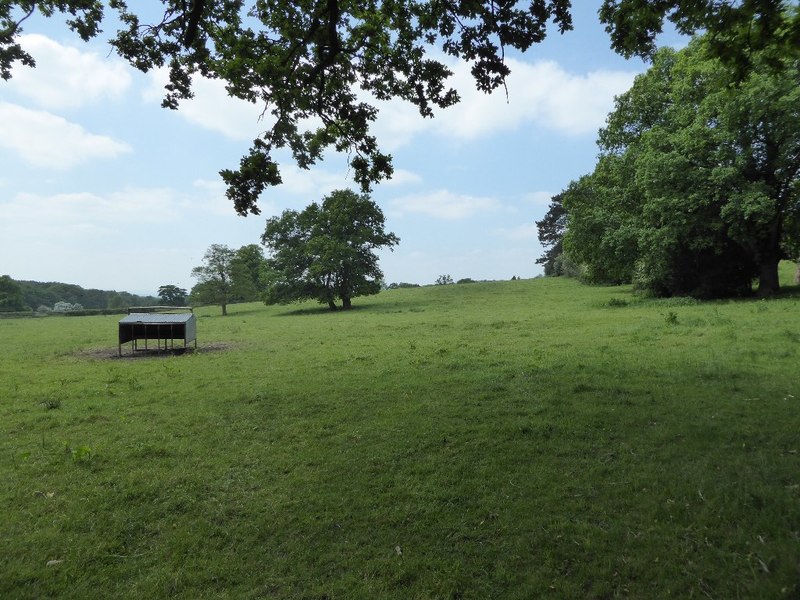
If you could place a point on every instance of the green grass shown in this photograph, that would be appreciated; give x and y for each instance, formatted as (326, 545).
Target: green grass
(501, 440)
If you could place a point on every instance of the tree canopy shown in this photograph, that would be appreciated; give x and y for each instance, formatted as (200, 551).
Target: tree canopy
(172, 295)
(214, 276)
(45, 294)
(317, 66)
(327, 251)
(551, 233)
(735, 30)
(697, 189)
(249, 273)
(11, 299)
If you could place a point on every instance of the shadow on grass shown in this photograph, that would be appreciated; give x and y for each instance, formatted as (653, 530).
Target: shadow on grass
(399, 306)
(234, 310)
(789, 291)
(316, 310)
(632, 299)
(324, 310)
(113, 353)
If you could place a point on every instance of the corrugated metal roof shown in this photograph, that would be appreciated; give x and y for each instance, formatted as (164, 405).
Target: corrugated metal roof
(157, 318)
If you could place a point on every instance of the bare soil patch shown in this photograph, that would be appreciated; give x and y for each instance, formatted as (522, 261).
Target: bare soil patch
(113, 353)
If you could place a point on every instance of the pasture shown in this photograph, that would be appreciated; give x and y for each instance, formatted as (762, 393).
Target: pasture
(519, 439)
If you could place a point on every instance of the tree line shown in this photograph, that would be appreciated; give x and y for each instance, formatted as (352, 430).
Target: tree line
(697, 186)
(22, 296)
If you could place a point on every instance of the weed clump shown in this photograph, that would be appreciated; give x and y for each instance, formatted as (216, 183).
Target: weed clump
(51, 403)
(671, 318)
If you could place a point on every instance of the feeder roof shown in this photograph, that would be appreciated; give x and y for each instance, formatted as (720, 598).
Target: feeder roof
(157, 318)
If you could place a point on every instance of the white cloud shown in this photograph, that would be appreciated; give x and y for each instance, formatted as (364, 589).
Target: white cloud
(403, 177)
(312, 183)
(133, 239)
(46, 140)
(444, 205)
(300, 188)
(66, 77)
(213, 108)
(542, 94)
(210, 186)
(65, 216)
(576, 104)
(398, 123)
(213, 201)
(316, 182)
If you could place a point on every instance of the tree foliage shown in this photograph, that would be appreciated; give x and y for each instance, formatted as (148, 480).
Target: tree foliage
(736, 30)
(229, 276)
(327, 251)
(172, 295)
(551, 230)
(249, 273)
(317, 66)
(47, 294)
(443, 280)
(697, 189)
(11, 298)
(401, 285)
(214, 276)
(601, 232)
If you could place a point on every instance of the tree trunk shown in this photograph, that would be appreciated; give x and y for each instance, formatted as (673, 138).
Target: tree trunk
(224, 309)
(346, 303)
(797, 273)
(768, 259)
(331, 304)
(768, 282)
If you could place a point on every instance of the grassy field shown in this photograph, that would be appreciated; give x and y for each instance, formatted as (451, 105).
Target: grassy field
(518, 439)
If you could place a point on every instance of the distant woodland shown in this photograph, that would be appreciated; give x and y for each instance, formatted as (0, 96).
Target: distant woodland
(36, 295)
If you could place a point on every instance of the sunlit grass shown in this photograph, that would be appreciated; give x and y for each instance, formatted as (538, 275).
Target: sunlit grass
(512, 440)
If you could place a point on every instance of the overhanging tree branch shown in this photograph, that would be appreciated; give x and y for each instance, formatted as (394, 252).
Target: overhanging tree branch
(306, 57)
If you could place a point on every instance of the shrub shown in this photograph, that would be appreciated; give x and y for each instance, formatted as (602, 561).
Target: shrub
(395, 286)
(66, 307)
(564, 266)
(444, 280)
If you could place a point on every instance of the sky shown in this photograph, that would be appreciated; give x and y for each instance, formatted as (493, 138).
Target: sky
(103, 188)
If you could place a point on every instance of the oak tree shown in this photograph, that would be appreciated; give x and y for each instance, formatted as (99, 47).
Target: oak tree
(697, 190)
(327, 251)
(172, 295)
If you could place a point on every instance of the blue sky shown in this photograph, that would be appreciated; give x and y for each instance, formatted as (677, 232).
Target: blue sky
(103, 188)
